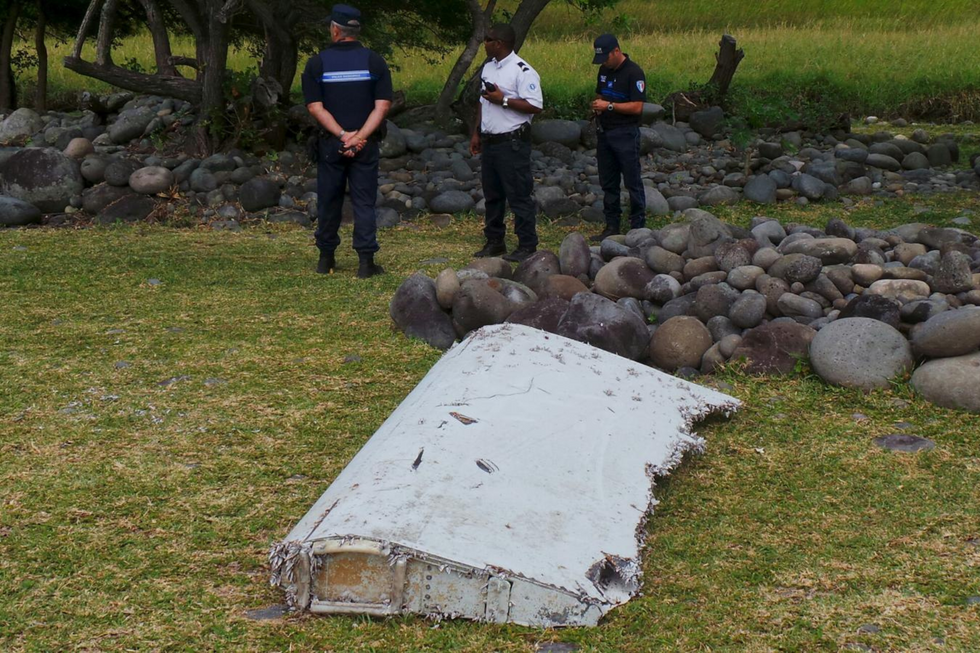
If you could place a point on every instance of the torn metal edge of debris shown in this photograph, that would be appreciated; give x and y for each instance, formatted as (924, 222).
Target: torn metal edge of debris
(512, 485)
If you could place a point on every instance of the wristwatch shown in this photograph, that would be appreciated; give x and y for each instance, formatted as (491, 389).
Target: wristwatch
(504, 103)
(609, 107)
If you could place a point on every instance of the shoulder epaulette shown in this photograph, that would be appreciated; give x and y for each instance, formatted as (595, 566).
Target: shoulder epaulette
(523, 66)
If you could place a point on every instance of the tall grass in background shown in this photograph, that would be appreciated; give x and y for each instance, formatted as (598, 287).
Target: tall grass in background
(645, 16)
(917, 59)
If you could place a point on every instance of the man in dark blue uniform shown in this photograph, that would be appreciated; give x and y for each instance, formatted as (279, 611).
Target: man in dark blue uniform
(348, 92)
(620, 94)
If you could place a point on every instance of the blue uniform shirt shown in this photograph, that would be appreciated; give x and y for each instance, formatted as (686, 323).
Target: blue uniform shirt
(347, 78)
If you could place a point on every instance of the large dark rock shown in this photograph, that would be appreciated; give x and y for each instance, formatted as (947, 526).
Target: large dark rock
(774, 348)
(95, 199)
(545, 314)
(760, 189)
(707, 122)
(953, 274)
(43, 177)
(17, 213)
(129, 208)
(118, 171)
(875, 307)
(566, 132)
(534, 271)
(130, 124)
(452, 201)
(860, 353)
(796, 267)
(258, 194)
(605, 324)
(416, 311)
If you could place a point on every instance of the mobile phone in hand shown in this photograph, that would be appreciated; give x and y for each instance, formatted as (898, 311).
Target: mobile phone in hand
(489, 86)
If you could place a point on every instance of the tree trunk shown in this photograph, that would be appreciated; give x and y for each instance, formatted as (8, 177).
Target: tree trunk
(480, 18)
(41, 92)
(8, 85)
(175, 87)
(93, 9)
(213, 65)
(103, 46)
(726, 63)
(161, 39)
(524, 17)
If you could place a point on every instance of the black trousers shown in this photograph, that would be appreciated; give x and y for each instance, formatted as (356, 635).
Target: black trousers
(618, 155)
(335, 172)
(506, 172)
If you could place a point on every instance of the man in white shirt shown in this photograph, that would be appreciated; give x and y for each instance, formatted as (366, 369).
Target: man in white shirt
(502, 134)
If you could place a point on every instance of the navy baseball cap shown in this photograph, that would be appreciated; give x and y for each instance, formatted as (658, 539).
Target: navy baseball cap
(345, 16)
(603, 46)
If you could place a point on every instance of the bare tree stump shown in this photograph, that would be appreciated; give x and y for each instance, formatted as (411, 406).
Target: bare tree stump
(685, 103)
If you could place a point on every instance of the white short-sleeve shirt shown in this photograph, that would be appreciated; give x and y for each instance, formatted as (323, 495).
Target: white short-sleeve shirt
(516, 79)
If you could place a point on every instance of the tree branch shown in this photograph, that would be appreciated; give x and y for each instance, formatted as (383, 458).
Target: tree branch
(176, 87)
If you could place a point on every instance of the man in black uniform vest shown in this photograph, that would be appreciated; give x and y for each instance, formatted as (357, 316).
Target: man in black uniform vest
(348, 92)
(620, 94)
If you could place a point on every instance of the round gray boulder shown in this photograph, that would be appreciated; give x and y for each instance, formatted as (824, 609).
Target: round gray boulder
(623, 277)
(951, 382)
(679, 342)
(151, 180)
(950, 333)
(861, 353)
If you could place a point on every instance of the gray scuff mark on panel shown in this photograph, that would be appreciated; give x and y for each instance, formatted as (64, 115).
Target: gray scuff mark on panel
(530, 508)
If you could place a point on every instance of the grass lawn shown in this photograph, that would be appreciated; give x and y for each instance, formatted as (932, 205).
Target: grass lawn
(172, 401)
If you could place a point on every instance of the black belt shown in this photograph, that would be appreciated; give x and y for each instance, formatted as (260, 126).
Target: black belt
(521, 133)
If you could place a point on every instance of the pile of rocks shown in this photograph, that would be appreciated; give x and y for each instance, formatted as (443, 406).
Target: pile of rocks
(103, 165)
(862, 305)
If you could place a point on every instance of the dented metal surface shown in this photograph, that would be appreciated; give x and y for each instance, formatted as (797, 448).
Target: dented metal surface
(511, 485)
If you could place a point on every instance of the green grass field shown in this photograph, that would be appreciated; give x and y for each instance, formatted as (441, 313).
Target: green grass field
(912, 59)
(156, 438)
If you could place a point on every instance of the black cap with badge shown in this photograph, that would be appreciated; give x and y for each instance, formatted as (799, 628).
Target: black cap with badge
(604, 45)
(345, 16)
